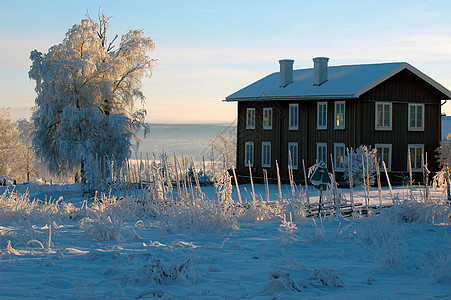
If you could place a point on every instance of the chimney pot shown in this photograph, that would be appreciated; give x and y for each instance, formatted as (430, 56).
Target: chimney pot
(286, 72)
(320, 70)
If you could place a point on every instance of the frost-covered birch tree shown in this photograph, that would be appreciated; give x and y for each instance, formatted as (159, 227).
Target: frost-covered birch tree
(87, 90)
(444, 151)
(11, 149)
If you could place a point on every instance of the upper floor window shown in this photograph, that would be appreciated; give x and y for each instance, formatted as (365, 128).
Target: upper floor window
(321, 115)
(383, 116)
(250, 118)
(249, 154)
(339, 156)
(293, 117)
(416, 117)
(267, 118)
(416, 157)
(293, 155)
(266, 154)
(321, 152)
(339, 115)
(383, 154)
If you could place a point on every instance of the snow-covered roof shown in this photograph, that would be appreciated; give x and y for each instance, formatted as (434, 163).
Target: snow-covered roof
(349, 81)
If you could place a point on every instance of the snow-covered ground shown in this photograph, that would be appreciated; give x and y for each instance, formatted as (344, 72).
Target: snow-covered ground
(54, 252)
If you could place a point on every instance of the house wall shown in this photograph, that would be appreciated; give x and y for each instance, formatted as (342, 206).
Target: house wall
(400, 90)
(307, 136)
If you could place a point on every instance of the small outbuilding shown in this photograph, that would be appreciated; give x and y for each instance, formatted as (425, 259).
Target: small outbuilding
(308, 115)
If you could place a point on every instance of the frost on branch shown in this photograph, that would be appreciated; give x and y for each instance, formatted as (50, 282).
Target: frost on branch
(86, 89)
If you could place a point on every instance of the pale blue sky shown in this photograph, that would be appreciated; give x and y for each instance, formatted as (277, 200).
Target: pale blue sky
(207, 50)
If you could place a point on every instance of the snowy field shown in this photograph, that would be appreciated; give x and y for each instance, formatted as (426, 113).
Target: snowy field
(67, 249)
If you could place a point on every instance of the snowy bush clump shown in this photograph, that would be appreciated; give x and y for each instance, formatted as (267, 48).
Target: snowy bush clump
(278, 281)
(385, 235)
(198, 215)
(325, 277)
(157, 272)
(424, 212)
(437, 263)
(17, 207)
(288, 229)
(101, 226)
(363, 160)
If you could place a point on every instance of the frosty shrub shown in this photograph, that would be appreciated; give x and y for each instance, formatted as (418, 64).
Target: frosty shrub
(86, 89)
(362, 158)
(17, 207)
(260, 210)
(288, 229)
(101, 226)
(278, 281)
(157, 272)
(225, 145)
(433, 211)
(198, 215)
(437, 263)
(384, 233)
(325, 277)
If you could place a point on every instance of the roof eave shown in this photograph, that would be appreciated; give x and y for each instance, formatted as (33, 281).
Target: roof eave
(297, 97)
(412, 69)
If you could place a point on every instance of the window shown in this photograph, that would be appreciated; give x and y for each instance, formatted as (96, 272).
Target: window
(267, 118)
(249, 154)
(293, 117)
(250, 118)
(293, 155)
(383, 116)
(339, 115)
(416, 117)
(416, 157)
(322, 115)
(383, 154)
(266, 154)
(321, 152)
(339, 156)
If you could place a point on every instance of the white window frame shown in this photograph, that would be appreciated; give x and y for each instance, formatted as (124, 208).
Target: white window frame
(390, 116)
(294, 157)
(319, 125)
(266, 159)
(414, 166)
(269, 110)
(318, 146)
(339, 167)
(249, 112)
(416, 128)
(336, 113)
(293, 117)
(387, 163)
(248, 157)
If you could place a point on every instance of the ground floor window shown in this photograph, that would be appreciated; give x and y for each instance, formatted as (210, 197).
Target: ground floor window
(416, 153)
(266, 154)
(321, 152)
(293, 155)
(383, 154)
(249, 154)
(339, 156)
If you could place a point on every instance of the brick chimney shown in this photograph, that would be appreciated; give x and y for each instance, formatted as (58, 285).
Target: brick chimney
(286, 72)
(320, 70)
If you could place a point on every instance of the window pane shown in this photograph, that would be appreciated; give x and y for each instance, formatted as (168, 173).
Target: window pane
(386, 115)
(412, 116)
(419, 116)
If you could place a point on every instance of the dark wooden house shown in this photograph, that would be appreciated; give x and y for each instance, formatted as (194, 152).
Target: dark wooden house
(311, 114)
